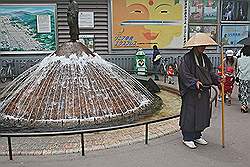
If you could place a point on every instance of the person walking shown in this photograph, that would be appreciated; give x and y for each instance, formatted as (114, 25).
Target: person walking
(195, 79)
(156, 61)
(229, 84)
(244, 78)
(230, 60)
(170, 74)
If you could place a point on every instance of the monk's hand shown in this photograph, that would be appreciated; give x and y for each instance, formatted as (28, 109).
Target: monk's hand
(198, 85)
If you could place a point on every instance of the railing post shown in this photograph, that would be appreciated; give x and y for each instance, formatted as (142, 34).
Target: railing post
(146, 134)
(82, 143)
(10, 149)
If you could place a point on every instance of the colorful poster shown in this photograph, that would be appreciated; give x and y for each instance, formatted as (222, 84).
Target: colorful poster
(22, 29)
(242, 11)
(144, 23)
(203, 11)
(235, 10)
(210, 30)
(210, 11)
(231, 35)
(196, 10)
(88, 41)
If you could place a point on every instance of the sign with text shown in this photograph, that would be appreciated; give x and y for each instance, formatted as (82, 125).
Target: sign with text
(43, 23)
(86, 19)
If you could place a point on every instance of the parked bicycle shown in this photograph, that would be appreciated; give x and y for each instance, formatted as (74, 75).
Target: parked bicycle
(34, 62)
(7, 70)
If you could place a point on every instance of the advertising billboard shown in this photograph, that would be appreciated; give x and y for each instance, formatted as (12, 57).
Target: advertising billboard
(144, 23)
(209, 30)
(235, 10)
(233, 34)
(27, 28)
(203, 11)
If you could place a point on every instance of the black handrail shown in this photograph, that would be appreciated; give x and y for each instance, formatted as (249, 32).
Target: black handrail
(82, 132)
(64, 133)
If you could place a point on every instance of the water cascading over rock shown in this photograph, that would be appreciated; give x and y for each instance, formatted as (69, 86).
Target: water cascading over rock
(72, 87)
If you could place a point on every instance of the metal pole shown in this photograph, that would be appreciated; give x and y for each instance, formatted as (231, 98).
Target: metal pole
(223, 99)
(146, 134)
(82, 143)
(10, 149)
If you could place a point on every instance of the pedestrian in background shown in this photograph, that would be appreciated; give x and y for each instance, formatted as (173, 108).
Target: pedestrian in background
(244, 78)
(230, 64)
(195, 80)
(229, 84)
(170, 74)
(230, 60)
(156, 62)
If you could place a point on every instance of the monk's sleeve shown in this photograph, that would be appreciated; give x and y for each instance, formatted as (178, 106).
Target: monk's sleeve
(186, 75)
(214, 77)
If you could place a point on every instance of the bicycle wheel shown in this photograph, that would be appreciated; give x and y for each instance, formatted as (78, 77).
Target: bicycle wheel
(10, 74)
(3, 75)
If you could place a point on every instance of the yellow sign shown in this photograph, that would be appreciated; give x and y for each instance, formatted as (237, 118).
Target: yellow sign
(144, 23)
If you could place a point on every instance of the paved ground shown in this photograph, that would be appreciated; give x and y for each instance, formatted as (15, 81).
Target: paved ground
(164, 151)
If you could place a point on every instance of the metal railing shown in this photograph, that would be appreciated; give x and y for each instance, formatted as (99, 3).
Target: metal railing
(88, 131)
(126, 62)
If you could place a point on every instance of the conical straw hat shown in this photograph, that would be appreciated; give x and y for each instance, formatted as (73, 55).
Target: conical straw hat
(200, 39)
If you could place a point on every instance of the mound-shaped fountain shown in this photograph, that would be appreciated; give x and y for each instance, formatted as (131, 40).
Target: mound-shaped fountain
(73, 87)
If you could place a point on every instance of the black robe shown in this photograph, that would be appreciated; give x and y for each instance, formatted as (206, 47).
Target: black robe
(195, 110)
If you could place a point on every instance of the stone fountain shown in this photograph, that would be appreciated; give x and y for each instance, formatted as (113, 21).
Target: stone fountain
(73, 87)
(70, 88)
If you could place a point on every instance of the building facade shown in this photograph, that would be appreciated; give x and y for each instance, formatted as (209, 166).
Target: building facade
(115, 29)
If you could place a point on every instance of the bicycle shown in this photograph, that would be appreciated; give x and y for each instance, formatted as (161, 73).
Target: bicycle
(34, 62)
(7, 70)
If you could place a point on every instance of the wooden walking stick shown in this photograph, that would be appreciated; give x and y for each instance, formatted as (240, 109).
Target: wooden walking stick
(222, 98)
